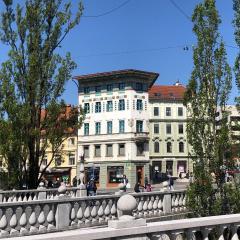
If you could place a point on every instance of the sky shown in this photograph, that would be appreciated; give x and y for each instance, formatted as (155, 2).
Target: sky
(147, 35)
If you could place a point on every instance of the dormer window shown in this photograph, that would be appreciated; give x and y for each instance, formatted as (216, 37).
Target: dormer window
(139, 86)
(121, 86)
(98, 89)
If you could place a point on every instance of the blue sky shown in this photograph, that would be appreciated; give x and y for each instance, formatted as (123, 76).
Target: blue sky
(145, 35)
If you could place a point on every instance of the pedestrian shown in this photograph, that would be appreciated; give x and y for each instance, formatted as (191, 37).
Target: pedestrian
(170, 182)
(74, 182)
(191, 178)
(125, 182)
(91, 188)
(138, 187)
(148, 187)
(145, 181)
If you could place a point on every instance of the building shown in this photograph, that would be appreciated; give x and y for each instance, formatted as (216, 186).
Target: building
(115, 134)
(168, 146)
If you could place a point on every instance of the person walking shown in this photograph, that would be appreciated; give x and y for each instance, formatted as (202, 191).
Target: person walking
(125, 182)
(170, 182)
(91, 188)
(137, 187)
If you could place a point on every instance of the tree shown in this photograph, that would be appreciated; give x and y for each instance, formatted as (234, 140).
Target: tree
(206, 95)
(32, 81)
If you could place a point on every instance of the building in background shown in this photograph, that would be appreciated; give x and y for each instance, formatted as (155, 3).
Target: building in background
(115, 134)
(168, 146)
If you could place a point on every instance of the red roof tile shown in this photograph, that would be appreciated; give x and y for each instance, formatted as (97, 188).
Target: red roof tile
(160, 92)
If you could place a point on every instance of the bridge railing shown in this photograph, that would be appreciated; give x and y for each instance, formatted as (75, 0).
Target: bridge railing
(66, 212)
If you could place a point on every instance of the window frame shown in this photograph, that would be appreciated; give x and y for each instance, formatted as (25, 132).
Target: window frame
(155, 110)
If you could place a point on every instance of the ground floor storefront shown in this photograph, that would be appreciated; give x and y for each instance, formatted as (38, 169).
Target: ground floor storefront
(110, 174)
(177, 167)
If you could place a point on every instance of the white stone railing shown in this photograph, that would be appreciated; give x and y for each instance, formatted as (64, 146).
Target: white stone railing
(222, 227)
(65, 212)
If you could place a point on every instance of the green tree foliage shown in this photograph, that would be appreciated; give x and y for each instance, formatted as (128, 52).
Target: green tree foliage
(33, 79)
(207, 93)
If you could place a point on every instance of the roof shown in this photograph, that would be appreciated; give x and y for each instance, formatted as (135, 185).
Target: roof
(160, 92)
(150, 76)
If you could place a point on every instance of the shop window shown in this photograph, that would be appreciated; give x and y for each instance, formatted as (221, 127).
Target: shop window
(121, 151)
(168, 129)
(109, 150)
(156, 128)
(156, 111)
(181, 147)
(71, 159)
(168, 111)
(86, 151)
(156, 147)
(97, 150)
(115, 174)
(92, 173)
(180, 128)
(140, 148)
(169, 147)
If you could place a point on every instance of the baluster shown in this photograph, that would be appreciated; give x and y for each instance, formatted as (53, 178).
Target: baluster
(94, 213)
(176, 203)
(205, 232)
(184, 201)
(13, 224)
(107, 211)
(145, 206)
(173, 202)
(220, 230)
(113, 210)
(50, 219)
(100, 213)
(234, 229)
(87, 213)
(155, 205)
(176, 235)
(150, 206)
(190, 234)
(25, 198)
(35, 197)
(3, 225)
(41, 221)
(80, 215)
(160, 205)
(23, 222)
(73, 216)
(32, 221)
(180, 202)
(140, 208)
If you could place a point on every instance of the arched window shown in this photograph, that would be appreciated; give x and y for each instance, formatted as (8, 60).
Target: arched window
(169, 147)
(156, 147)
(181, 147)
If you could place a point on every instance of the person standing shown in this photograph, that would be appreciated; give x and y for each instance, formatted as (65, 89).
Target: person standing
(170, 182)
(91, 188)
(125, 182)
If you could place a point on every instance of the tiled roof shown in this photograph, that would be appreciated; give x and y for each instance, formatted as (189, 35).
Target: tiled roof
(160, 92)
(150, 76)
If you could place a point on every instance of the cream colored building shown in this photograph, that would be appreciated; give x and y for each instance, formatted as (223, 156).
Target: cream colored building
(168, 146)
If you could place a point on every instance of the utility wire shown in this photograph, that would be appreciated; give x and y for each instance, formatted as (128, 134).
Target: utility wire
(183, 47)
(189, 18)
(108, 12)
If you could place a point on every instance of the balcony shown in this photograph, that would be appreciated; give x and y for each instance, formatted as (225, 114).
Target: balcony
(141, 136)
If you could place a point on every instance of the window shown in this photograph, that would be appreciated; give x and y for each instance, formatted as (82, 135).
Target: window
(156, 128)
(121, 126)
(156, 111)
(168, 111)
(139, 104)
(98, 107)
(140, 148)
(169, 147)
(115, 174)
(121, 86)
(97, 128)
(180, 111)
(139, 126)
(139, 86)
(98, 89)
(168, 129)
(71, 159)
(180, 128)
(109, 127)
(58, 160)
(86, 129)
(86, 90)
(121, 151)
(181, 147)
(156, 147)
(97, 150)
(71, 141)
(109, 106)
(86, 108)
(121, 105)
(109, 87)
(86, 151)
(109, 150)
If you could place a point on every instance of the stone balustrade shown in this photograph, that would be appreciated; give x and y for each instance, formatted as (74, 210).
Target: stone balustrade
(18, 217)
